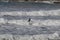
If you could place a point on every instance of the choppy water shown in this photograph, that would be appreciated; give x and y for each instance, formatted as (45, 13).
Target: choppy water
(45, 18)
(28, 6)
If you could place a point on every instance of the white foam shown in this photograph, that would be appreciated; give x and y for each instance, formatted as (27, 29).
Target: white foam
(33, 22)
(33, 13)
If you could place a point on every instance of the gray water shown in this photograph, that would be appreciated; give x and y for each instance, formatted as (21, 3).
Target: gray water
(15, 29)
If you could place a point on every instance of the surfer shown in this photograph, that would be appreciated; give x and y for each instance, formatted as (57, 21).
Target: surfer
(29, 19)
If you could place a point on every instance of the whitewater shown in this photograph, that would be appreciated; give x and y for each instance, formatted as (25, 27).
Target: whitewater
(44, 23)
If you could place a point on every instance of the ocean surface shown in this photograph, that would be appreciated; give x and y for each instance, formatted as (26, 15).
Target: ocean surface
(44, 19)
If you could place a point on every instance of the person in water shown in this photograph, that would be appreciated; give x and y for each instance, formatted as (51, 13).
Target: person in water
(29, 19)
